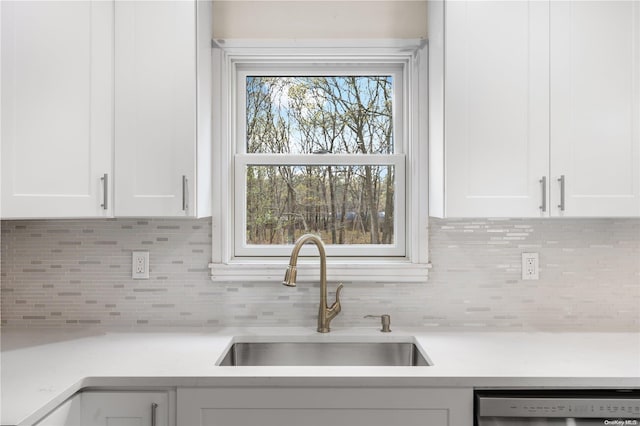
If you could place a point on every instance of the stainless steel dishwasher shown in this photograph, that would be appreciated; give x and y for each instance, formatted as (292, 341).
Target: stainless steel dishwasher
(557, 407)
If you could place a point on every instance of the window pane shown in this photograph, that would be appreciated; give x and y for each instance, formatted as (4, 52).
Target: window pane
(319, 115)
(344, 204)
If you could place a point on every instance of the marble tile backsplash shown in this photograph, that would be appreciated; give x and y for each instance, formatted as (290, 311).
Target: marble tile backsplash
(78, 272)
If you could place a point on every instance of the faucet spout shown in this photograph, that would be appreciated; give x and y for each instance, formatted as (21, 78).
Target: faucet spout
(325, 314)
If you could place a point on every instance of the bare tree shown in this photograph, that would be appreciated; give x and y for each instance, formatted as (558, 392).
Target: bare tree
(320, 115)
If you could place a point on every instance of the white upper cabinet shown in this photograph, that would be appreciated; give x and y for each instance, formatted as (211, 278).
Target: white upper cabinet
(106, 109)
(496, 102)
(57, 103)
(595, 107)
(525, 92)
(159, 66)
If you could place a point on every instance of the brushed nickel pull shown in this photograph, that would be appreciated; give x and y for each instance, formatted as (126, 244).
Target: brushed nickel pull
(105, 191)
(185, 198)
(154, 410)
(385, 321)
(543, 183)
(561, 205)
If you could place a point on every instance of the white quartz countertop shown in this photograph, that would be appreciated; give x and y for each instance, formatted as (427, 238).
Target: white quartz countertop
(41, 368)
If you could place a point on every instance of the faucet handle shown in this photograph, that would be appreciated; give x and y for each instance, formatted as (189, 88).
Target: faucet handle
(336, 307)
(385, 321)
(336, 304)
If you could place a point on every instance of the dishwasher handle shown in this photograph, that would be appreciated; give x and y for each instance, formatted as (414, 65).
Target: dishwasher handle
(592, 407)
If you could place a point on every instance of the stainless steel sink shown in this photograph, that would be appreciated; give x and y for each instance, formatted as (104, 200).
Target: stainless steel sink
(324, 353)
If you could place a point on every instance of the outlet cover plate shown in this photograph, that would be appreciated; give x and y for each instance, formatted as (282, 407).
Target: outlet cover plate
(530, 266)
(140, 265)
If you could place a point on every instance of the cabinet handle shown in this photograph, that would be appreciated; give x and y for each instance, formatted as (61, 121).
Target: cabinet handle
(561, 205)
(154, 410)
(543, 183)
(105, 191)
(185, 197)
(185, 193)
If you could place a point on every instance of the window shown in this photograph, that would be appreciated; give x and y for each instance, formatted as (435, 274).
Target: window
(316, 153)
(310, 142)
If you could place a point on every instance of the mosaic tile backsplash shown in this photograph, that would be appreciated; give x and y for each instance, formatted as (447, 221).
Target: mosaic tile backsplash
(78, 272)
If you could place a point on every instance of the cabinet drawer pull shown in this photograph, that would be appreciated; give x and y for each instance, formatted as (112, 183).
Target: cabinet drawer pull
(543, 183)
(561, 205)
(154, 410)
(185, 197)
(105, 191)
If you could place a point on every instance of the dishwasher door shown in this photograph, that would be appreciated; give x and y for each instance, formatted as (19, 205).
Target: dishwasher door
(558, 408)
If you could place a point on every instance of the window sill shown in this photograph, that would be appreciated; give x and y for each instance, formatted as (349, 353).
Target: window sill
(385, 270)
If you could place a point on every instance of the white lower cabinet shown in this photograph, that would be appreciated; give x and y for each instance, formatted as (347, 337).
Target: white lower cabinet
(125, 408)
(338, 406)
(268, 406)
(117, 408)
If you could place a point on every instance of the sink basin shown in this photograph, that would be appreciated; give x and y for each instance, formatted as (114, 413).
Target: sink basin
(324, 353)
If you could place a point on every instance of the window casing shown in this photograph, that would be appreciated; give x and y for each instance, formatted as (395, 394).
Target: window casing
(405, 259)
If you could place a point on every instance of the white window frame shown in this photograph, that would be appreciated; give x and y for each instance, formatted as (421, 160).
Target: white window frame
(242, 159)
(407, 260)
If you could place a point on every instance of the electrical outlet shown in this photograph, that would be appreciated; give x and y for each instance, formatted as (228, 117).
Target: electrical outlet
(530, 266)
(140, 265)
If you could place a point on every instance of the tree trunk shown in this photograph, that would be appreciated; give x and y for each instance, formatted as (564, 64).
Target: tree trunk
(291, 219)
(371, 204)
(387, 233)
(343, 209)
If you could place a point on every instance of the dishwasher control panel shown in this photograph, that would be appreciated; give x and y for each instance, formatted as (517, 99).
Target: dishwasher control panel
(609, 405)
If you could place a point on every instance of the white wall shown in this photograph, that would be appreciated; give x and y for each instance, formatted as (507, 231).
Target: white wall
(312, 19)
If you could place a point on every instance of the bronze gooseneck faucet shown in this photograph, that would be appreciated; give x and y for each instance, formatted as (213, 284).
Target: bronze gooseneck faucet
(325, 314)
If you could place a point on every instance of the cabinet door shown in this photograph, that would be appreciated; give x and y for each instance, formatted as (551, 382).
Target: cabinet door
(57, 103)
(496, 107)
(323, 406)
(155, 118)
(125, 408)
(595, 107)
